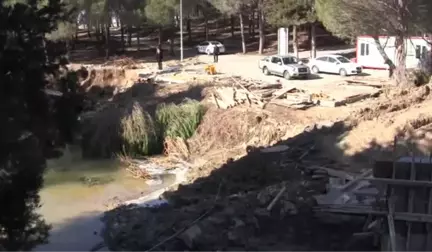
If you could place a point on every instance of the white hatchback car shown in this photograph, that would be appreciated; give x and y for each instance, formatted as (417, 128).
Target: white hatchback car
(208, 46)
(334, 64)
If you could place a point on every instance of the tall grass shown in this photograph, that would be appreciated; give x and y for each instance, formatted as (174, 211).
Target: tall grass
(133, 132)
(179, 120)
(139, 132)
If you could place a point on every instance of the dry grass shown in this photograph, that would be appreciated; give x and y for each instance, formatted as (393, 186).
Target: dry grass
(226, 129)
(139, 132)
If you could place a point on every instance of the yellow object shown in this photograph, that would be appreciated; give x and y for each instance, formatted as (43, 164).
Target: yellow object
(210, 69)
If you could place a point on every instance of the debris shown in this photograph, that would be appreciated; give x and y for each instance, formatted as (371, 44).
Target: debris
(270, 206)
(277, 148)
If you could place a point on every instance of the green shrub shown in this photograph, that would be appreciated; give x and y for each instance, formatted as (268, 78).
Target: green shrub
(179, 120)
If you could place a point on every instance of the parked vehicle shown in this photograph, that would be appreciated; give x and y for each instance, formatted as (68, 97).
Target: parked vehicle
(334, 64)
(207, 47)
(286, 66)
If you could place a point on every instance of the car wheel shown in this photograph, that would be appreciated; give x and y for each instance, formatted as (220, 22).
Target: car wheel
(265, 71)
(343, 72)
(287, 75)
(315, 69)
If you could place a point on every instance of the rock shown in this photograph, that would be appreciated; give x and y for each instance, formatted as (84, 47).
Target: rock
(191, 235)
(319, 176)
(238, 222)
(261, 212)
(288, 208)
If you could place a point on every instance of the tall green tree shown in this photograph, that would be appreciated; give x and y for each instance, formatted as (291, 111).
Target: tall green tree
(28, 127)
(234, 8)
(161, 13)
(286, 13)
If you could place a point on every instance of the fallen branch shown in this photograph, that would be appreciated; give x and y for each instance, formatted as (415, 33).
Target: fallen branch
(270, 206)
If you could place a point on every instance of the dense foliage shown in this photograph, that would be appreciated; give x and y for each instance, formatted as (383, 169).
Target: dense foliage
(28, 125)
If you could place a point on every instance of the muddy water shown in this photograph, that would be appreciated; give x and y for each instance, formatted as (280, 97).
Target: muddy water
(76, 193)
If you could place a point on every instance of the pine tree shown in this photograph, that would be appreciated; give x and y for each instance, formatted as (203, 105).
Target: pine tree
(27, 125)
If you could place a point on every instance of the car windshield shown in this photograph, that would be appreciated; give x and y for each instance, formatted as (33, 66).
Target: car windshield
(343, 59)
(215, 42)
(290, 60)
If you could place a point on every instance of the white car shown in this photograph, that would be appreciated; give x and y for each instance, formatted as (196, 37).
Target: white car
(207, 47)
(334, 64)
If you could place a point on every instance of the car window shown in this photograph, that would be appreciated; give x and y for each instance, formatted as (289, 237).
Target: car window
(204, 43)
(331, 60)
(343, 59)
(289, 60)
(322, 59)
(276, 60)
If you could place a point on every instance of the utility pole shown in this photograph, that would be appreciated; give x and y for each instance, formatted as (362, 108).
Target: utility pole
(181, 30)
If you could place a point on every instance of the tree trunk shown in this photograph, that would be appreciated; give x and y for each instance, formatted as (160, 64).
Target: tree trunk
(172, 44)
(400, 70)
(88, 29)
(129, 30)
(138, 39)
(384, 55)
(97, 32)
(189, 29)
(107, 37)
(232, 26)
(122, 37)
(242, 33)
(261, 31)
(250, 25)
(295, 41)
(76, 31)
(313, 50)
(253, 24)
(160, 35)
(206, 29)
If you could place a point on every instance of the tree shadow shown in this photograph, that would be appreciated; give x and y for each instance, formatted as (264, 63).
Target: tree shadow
(245, 187)
(75, 234)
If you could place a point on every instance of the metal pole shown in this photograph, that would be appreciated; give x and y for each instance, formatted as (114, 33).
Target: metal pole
(181, 30)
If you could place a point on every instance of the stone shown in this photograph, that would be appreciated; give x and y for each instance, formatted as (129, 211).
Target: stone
(288, 208)
(190, 235)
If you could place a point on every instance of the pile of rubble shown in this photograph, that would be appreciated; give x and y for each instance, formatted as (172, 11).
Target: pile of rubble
(263, 201)
(258, 93)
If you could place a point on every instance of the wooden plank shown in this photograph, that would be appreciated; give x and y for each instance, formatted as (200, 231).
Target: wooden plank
(410, 201)
(366, 210)
(428, 244)
(391, 224)
(400, 182)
